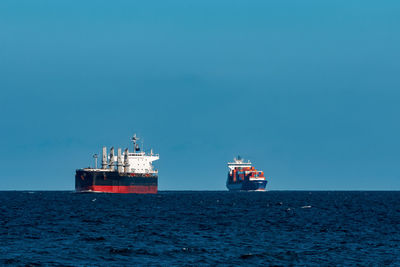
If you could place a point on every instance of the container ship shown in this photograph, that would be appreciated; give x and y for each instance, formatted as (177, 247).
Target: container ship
(125, 173)
(242, 176)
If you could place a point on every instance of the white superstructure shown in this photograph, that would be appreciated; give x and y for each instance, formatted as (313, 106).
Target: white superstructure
(238, 163)
(137, 162)
(142, 162)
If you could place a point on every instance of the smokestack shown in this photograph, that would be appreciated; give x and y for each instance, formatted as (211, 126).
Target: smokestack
(126, 161)
(111, 163)
(119, 160)
(104, 162)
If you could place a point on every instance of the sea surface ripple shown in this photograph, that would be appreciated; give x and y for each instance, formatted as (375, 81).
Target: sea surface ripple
(200, 228)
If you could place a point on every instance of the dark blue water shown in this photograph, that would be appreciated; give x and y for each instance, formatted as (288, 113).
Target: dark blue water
(200, 228)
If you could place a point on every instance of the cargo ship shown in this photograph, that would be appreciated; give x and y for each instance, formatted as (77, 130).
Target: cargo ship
(128, 172)
(242, 176)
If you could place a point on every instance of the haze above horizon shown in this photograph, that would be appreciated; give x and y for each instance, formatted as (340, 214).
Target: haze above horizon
(307, 90)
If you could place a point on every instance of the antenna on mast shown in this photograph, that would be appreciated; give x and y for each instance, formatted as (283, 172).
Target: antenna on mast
(136, 147)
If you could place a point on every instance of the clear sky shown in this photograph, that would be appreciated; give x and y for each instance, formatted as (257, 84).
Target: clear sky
(307, 90)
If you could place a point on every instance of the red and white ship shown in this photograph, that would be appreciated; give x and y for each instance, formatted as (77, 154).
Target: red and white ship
(128, 172)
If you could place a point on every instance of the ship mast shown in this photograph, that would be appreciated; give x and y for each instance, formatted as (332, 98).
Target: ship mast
(134, 140)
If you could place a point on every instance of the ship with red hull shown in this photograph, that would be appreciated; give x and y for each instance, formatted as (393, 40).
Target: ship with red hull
(125, 173)
(242, 176)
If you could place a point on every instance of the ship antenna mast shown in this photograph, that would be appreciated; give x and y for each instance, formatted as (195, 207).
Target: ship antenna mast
(134, 139)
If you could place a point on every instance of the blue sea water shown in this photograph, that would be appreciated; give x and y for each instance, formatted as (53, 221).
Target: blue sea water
(200, 228)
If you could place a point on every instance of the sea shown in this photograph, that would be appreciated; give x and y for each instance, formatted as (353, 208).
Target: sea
(200, 228)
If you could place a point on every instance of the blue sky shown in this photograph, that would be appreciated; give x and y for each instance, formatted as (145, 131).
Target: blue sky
(307, 90)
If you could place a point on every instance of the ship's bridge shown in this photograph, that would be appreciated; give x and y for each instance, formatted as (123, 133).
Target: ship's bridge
(137, 161)
(238, 163)
(142, 162)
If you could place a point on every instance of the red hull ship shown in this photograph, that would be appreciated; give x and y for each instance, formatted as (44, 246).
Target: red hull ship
(134, 174)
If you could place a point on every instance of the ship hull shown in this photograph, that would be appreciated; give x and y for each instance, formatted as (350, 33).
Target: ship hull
(247, 186)
(115, 182)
